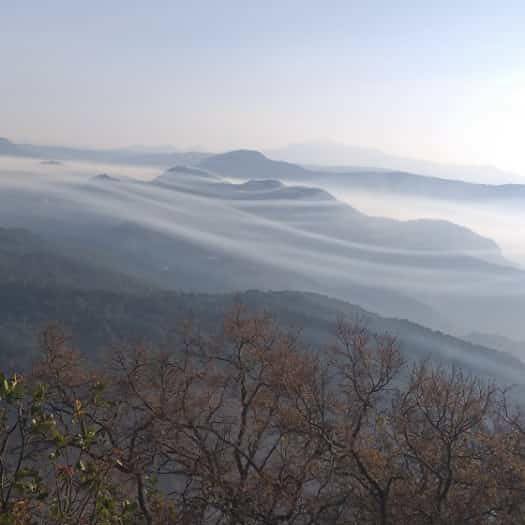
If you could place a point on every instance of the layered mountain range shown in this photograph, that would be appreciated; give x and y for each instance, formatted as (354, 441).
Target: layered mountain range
(115, 257)
(103, 308)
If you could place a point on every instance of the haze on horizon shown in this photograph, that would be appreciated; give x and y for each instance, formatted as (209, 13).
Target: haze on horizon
(440, 82)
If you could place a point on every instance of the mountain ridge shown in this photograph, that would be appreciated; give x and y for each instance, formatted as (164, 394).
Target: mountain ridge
(253, 164)
(100, 319)
(338, 155)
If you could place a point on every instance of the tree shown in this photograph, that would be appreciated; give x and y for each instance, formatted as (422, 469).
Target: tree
(248, 427)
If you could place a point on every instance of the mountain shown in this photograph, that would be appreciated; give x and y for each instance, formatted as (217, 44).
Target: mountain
(174, 239)
(130, 260)
(398, 178)
(194, 230)
(245, 164)
(200, 182)
(333, 154)
(99, 319)
(28, 261)
(250, 164)
(335, 219)
(104, 177)
(133, 156)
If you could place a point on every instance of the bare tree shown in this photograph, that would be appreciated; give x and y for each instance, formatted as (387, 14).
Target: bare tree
(249, 427)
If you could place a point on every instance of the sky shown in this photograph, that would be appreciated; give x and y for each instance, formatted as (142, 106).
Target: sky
(443, 81)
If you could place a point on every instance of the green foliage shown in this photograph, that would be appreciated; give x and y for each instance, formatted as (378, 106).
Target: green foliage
(11, 389)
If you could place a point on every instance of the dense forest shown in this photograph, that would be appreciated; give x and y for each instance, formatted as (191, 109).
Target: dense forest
(248, 426)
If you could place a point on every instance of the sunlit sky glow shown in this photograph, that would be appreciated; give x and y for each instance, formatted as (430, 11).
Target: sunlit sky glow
(442, 80)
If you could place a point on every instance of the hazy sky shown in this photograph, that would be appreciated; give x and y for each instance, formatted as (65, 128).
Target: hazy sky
(442, 80)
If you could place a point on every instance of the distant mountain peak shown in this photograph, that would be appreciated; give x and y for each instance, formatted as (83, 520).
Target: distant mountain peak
(51, 162)
(339, 155)
(249, 164)
(243, 154)
(104, 177)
